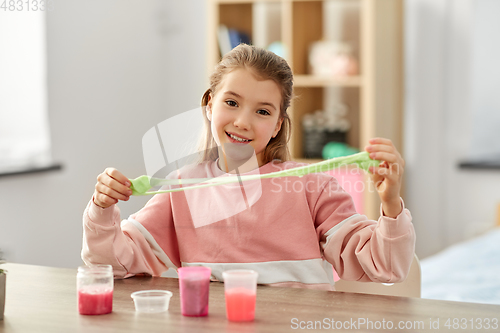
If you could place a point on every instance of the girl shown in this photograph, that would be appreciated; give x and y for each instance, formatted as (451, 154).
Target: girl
(291, 235)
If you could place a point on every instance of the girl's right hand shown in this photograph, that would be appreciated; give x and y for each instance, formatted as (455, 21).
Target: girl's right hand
(111, 186)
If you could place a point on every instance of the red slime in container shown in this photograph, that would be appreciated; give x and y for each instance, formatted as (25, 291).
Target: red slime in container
(95, 301)
(240, 304)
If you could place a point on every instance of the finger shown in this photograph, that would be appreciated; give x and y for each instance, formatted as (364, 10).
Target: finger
(393, 171)
(398, 167)
(101, 188)
(376, 178)
(384, 145)
(383, 156)
(380, 185)
(114, 184)
(103, 200)
(383, 141)
(381, 171)
(402, 163)
(381, 175)
(118, 176)
(381, 148)
(395, 168)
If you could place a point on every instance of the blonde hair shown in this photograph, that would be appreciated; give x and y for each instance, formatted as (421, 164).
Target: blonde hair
(267, 66)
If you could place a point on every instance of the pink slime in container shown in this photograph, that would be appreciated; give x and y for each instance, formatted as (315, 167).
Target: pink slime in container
(194, 285)
(240, 287)
(240, 304)
(94, 285)
(95, 302)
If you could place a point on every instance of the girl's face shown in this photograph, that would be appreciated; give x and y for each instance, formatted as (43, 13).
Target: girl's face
(245, 111)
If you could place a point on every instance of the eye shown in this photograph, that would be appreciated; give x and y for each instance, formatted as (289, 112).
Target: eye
(231, 103)
(263, 112)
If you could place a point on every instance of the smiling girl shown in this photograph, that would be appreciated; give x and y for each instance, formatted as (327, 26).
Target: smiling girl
(291, 238)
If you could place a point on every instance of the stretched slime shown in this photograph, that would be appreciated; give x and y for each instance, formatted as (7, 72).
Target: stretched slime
(142, 184)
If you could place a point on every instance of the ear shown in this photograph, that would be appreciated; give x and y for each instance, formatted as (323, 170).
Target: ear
(278, 127)
(208, 108)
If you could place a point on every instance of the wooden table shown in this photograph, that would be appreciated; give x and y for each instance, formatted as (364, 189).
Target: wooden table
(43, 299)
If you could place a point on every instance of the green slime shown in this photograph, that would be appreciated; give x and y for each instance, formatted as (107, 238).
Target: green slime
(141, 185)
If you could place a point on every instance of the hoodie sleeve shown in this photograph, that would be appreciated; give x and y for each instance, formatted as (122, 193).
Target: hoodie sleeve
(127, 245)
(361, 249)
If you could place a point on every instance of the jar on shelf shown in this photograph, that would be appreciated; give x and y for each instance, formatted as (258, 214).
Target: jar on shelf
(332, 59)
(321, 127)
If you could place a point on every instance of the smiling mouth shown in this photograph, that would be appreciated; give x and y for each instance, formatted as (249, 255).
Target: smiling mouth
(236, 138)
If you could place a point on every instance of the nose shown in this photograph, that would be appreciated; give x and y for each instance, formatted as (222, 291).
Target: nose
(242, 120)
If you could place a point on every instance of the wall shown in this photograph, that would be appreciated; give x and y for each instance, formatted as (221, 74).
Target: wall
(115, 69)
(485, 80)
(24, 132)
(448, 204)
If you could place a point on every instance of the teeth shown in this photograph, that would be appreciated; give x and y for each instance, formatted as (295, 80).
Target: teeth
(237, 138)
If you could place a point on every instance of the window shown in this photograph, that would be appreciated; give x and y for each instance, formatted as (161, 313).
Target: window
(24, 128)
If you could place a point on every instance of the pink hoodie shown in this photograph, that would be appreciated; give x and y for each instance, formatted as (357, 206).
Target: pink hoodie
(288, 229)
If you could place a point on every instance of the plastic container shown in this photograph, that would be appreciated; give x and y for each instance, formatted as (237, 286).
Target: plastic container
(94, 286)
(151, 301)
(194, 285)
(240, 288)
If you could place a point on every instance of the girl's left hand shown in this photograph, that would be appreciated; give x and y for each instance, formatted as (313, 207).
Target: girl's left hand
(388, 175)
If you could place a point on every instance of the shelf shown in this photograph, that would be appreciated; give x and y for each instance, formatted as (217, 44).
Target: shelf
(480, 165)
(238, 2)
(30, 170)
(374, 99)
(319, 81)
